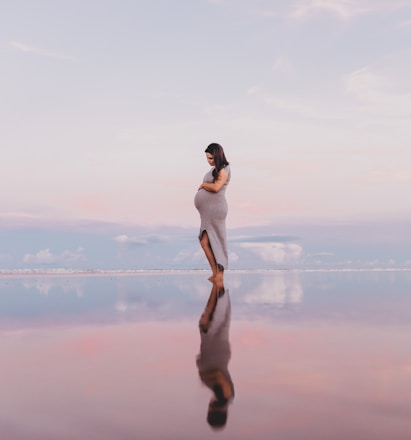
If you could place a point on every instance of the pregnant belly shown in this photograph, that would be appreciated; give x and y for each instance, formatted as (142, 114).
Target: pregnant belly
(211, 204)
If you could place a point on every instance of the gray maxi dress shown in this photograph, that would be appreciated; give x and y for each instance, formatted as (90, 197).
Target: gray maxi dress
(213, 212)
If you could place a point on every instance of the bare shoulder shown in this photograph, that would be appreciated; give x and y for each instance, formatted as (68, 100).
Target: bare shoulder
(223, 172)
(222, 175)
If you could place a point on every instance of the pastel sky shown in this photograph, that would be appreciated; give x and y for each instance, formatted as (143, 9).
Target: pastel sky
(106, 108)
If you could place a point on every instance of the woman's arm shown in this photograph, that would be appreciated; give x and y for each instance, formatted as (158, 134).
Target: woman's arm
(218, 184)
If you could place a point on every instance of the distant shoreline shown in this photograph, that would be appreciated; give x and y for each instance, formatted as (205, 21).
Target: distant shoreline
(28, 273)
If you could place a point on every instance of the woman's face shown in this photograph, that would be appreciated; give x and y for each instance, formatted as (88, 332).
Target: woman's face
(210, 159)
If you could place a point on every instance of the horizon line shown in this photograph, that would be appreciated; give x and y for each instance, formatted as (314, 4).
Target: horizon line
(57, 272)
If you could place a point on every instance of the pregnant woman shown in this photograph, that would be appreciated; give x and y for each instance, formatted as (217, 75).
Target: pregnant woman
(212, 206)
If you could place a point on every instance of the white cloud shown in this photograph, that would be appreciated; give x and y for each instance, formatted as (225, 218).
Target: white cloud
(405, 23)
(344, 9)
(383, 92)
(189, 256)
(42, 257)
(304, 9)
(366, 84)
(45, 53)
(380, 263)
(125, 239)
(183, 255)
(321, 254)
(45, 257)
(139, 241)
(275, 252)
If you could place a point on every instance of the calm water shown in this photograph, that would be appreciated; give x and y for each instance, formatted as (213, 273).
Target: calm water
(295, 355)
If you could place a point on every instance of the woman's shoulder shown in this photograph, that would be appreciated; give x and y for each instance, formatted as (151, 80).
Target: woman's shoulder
(225, 170)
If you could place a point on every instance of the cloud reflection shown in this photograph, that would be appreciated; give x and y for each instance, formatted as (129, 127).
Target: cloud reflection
(46, 285)
(279, 291)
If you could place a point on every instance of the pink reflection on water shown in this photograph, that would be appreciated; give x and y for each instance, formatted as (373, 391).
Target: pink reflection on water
(140, 380)
(339, 381)
(66, 380)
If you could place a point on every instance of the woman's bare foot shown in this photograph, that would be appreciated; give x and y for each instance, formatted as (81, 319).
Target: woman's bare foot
(216, 276)
(219, 280)
(219, 276)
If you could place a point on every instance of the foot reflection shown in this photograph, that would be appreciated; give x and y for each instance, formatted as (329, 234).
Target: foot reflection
(215, 353)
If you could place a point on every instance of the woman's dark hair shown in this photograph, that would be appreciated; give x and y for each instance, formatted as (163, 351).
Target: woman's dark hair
(220, 161)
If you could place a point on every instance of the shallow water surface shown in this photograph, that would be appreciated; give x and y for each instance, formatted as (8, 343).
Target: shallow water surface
(285, 355)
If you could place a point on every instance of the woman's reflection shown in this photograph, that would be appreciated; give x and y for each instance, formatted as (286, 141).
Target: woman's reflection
(215, 353)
